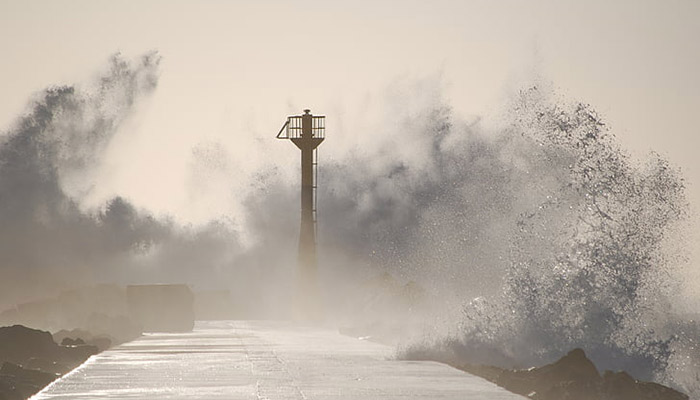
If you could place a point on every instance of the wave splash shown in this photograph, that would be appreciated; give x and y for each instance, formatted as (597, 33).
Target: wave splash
(594, 264)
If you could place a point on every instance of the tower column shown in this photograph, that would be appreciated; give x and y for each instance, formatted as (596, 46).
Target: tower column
(307, 233)
(306, 132)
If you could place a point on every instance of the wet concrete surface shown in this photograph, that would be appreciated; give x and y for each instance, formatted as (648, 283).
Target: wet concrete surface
(263, 360)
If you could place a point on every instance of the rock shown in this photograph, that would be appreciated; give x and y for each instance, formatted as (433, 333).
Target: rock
(76, 354)
(72, 342)
(20, 383)
(45, 365)
(29, 376)
(573, 377)
(60, 336)
(487, 372)
(102, 342)
(102, 310)
(574, 366)
(8, 391)
(621, 386)
(19, 343)
(32, 360)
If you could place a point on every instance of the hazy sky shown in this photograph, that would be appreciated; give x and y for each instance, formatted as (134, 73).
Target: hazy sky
(233, 70)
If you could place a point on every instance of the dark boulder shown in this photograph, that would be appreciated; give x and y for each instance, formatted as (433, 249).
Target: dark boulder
(102, 342)
(75, 355)
(573, 377)
(31, 360)
(28, 376)
(19, 343)
(72, 342)
(621, 386)
(46, 365)
(20, 383)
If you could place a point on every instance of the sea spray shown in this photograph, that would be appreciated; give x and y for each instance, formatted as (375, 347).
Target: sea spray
(44, 233)
(587, 266)
(522, 242)
(50, 240)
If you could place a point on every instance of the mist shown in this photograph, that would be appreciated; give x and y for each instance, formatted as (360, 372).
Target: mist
(47, 240)
(460, 230)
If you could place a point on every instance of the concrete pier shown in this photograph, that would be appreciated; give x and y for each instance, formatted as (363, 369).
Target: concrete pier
(263, 360)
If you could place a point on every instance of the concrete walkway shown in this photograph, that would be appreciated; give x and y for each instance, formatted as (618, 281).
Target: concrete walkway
(263, 360)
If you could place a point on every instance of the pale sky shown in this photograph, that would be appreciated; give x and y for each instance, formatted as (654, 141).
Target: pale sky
(233, 70)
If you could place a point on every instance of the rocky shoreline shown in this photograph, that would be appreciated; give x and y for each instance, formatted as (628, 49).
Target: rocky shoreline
(84, 322)
(31, 359)
(573, 377)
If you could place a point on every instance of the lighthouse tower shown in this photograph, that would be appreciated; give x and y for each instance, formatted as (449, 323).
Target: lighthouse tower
(307, 131)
